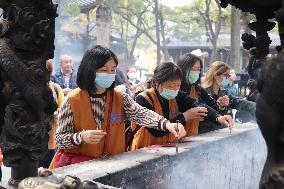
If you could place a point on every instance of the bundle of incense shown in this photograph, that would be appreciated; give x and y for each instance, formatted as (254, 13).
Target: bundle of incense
(177, 137)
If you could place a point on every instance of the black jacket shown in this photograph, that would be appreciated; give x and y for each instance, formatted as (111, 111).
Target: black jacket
(184, 103)
(203, 96)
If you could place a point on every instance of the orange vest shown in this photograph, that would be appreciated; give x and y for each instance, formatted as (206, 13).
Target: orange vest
(113, 123)
(55, 88)
(143, 137)
(192, 125)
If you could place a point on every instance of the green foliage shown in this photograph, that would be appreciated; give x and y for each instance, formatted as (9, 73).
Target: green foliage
(182, 22)
(70, 8)
(187, 22)
(125, 22)
(213, 13)
(250, 17)
(275, 29)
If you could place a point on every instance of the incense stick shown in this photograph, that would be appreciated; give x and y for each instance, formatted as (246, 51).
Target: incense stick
(177, 137)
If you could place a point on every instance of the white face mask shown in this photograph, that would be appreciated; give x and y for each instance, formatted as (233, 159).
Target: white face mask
(132, 75)
(104, 80)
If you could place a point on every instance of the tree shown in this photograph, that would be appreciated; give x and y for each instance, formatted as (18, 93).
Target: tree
(103, 24)
(211, 13)
(141, 18)
(235, 39)
(68, 13)
(183, 23)
(123, 14)
(159, 22)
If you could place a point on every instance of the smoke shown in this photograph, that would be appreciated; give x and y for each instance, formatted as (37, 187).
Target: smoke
(71, 36)
(68, 43)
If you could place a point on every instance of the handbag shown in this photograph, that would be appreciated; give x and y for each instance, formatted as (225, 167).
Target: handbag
(62, 159)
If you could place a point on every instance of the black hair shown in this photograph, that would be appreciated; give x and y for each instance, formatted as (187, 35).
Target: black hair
(120, 77)
(186, 62)
(93, 59)
(166, 71)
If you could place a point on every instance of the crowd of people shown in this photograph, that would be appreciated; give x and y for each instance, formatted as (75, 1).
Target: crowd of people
(103, 111)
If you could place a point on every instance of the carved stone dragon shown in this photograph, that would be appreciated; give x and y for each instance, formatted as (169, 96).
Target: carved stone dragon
(269, 73)
(27, 105)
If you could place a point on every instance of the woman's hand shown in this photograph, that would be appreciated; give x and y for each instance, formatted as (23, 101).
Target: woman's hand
(226, 120)
(93, 136)
(195, 113)
(223, 101)
(66, 91)
(137, 87)
(176, 129)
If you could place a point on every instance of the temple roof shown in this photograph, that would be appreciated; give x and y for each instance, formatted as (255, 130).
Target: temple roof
(86, 5)
(224, 41)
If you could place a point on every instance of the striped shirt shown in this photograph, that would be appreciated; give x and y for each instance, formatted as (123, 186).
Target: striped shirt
(65, 136)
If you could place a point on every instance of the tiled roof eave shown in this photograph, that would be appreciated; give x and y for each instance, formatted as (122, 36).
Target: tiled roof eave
(85, 7)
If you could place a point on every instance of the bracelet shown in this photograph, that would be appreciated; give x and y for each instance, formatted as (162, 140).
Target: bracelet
(77, 139)
(81, 137)
(164, 125)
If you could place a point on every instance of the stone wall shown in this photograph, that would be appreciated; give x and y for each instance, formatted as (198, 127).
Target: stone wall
(215, 160)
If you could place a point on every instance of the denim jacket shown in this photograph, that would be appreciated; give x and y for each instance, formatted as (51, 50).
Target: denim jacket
(58, 78)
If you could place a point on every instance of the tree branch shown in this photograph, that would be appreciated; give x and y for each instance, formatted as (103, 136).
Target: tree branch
(218, 27)
(139, 28)
(209, 21)
(202, 14)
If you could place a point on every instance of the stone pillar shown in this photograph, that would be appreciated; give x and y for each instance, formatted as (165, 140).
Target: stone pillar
(103, 20)
(235, 39)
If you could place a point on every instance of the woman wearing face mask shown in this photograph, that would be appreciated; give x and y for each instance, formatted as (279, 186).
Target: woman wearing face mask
(165, 99)
(215, 83)
(135, 85)
(91, 119)
(191, 66)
